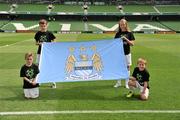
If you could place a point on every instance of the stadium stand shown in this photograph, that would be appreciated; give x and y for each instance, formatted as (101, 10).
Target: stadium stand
(99, 10)
(98, 2)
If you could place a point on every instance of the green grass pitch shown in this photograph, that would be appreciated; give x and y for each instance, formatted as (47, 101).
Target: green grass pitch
(161, 50)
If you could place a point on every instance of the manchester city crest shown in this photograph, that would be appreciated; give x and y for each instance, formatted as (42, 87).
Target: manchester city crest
(83, 66)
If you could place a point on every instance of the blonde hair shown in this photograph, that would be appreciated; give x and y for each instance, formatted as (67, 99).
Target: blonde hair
(142, 60)
(126, 23)
(29, 54)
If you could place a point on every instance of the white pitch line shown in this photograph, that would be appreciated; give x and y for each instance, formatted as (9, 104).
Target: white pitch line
(87, 112)
(5, 25)
(15, 43)
(156, 9)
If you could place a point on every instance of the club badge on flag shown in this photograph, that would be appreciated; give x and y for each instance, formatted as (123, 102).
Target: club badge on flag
(82, 61)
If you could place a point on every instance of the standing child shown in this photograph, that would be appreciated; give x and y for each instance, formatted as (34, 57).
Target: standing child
(128, 40)
(140, 79)
(29, 72)
(43, 35)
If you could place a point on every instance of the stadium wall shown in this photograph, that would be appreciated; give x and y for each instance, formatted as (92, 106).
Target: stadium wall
(96, 17)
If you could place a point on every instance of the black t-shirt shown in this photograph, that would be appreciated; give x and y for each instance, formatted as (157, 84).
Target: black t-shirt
(43, 37)
(30, 72)
(128, 35)
(141, 76)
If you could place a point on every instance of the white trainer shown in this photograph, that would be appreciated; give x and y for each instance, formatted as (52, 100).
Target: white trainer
(118, 84)
(126, 82)
(53, 85)
(127, 86)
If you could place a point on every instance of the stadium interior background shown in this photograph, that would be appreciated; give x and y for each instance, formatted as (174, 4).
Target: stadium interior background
(92, 15)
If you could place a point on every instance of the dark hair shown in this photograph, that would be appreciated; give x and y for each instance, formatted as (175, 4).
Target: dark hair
(43, 21)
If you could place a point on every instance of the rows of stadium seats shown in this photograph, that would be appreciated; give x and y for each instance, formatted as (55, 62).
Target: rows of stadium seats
(152, 2)
(97, 2)
(167, 2)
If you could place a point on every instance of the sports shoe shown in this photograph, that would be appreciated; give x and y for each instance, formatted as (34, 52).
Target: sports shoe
(127, 86)
(130, 94)
(53, 85)
(118, 84)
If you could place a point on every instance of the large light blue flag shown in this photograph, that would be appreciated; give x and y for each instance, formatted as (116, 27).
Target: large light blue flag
(82, 61)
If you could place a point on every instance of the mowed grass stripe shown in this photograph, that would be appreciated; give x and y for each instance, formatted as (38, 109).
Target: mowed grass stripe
(88, 111)
(13, 38)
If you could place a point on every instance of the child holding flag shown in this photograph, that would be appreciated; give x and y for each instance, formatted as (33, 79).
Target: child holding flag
(43, 35)
(140, 80)
(29, 72)
(128, 40)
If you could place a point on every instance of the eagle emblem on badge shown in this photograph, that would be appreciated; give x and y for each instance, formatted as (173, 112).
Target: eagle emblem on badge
(84, 66)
